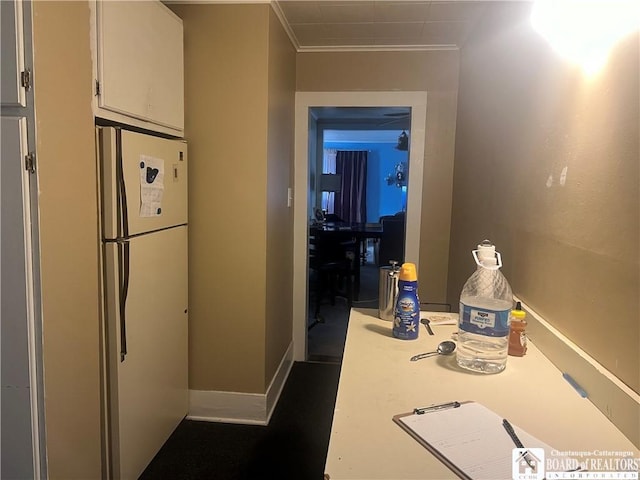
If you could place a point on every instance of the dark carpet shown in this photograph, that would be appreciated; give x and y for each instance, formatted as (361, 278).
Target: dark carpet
(293, 446)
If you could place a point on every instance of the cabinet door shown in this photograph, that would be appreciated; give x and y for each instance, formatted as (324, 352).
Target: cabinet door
(140, 62)
(12, 54)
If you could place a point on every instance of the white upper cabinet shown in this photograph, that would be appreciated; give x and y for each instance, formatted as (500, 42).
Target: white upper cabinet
(140, 65)
(13, 90)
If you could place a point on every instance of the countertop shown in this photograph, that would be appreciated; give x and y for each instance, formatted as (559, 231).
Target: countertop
(377, 381)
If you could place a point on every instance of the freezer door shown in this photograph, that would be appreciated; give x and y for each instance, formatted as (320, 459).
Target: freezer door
(144, 182)
(146, 292)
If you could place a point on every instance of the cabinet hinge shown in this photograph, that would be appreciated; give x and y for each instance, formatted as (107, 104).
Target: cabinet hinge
(97, 88)
(30, 162)
(25, 79)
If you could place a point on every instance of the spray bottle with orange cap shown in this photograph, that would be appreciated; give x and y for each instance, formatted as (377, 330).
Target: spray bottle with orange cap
(406, 317)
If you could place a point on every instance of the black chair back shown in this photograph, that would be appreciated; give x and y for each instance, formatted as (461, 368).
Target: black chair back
(392, 240)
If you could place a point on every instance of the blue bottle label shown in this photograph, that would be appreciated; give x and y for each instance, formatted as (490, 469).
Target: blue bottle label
(406, 317)
(484, 321)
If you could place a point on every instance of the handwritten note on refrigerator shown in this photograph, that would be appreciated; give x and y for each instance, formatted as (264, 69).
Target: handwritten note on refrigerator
(151, 186)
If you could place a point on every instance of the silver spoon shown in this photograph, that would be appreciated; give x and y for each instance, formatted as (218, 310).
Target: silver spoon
(425, 322)
(444, 348)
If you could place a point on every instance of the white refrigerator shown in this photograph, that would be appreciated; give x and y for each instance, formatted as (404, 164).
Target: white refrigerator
(143, 203)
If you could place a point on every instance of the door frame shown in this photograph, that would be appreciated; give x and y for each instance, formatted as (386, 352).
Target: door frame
(417, 101)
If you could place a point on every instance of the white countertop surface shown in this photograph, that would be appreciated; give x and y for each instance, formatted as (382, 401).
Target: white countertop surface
(377, 381)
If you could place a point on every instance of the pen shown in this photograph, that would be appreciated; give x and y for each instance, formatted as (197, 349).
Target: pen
(518, 443)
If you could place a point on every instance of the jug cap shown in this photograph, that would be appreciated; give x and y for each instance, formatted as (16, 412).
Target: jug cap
(408, 272)
(486, 250)
(486, 256)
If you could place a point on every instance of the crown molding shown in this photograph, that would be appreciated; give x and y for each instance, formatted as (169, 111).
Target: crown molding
(275, 5)
(283, 21)
(376, 48)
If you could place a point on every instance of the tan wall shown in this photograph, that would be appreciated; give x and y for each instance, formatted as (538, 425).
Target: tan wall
(570, 252)
(373, 71)
(435, 72)
(282, 72)
(239, 83)
(68, 238)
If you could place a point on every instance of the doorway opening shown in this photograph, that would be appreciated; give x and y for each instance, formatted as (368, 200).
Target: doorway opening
(358, 180)
(307, 143)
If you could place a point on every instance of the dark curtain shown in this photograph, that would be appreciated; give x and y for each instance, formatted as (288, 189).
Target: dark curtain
(351, 202)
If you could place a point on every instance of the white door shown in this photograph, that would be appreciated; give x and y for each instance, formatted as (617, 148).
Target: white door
(23, 446)
(19, 442)
(148, 375)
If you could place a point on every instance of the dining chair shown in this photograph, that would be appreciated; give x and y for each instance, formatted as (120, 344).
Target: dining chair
(391, 245)
(332, 218)
(331, 264)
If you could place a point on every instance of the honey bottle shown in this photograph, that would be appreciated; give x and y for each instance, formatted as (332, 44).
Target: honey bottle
(517, 336)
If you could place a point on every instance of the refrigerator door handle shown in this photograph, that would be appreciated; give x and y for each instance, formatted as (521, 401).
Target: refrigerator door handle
(123, 259)
(121, 189)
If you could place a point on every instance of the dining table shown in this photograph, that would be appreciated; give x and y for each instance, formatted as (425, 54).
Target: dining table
(359, 232)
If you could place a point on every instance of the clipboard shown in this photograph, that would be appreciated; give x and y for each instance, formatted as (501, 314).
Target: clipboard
(468, 438)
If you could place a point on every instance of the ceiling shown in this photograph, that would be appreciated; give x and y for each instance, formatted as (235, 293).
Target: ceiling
(325, 25)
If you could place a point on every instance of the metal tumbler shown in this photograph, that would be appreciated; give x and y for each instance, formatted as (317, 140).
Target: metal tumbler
(388, 290)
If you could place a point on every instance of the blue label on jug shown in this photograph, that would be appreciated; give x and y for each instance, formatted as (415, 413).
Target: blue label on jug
(484, 321)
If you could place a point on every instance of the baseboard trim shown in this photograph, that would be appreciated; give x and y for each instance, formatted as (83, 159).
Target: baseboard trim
(238, 407)
(619, 403)
(277, 382)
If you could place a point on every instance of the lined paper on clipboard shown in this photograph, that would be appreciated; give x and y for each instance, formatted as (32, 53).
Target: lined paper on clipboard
(470, 439)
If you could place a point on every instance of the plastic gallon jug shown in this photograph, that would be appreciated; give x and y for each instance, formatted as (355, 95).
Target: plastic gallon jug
(388, 290)
(485, 305)
(406, 316)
